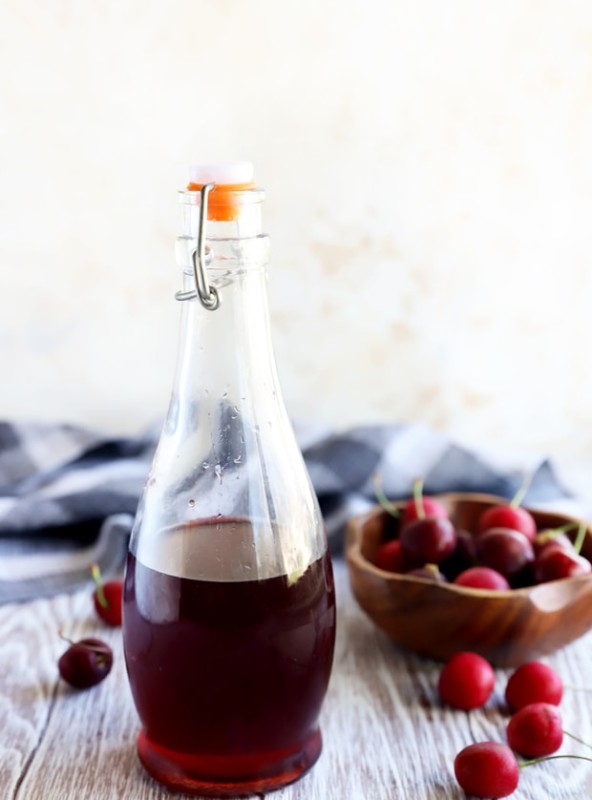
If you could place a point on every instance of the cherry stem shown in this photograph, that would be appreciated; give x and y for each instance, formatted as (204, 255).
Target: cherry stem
(96, 576)
(65, 638)
(519, 496)
(569, 526)
(580, 538)
(577, 739)
(389, 507)
(549, 534)
(417, 496)
(522, 764)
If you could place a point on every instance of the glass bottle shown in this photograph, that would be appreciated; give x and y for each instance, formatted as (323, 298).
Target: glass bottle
(229, 607)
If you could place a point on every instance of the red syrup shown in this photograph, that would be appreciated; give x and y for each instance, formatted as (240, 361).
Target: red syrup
(228, 677)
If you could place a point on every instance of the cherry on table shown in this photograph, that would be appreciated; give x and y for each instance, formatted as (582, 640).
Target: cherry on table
(536, 730)
(466, 681)
(86, 663)
(533, 682)
(487, 769)
(107, 598)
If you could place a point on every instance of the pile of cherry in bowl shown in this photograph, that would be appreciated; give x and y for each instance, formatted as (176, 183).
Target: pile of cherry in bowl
(505, 551)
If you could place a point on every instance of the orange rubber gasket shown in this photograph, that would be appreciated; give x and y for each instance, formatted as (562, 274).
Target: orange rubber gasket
(223, 205)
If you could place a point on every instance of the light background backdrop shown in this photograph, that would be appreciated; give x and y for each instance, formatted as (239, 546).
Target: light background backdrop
(429, 180)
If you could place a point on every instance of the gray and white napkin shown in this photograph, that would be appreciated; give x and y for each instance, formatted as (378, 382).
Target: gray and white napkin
(68, 495)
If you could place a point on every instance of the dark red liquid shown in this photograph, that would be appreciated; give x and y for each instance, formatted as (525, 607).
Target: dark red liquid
(228, 678)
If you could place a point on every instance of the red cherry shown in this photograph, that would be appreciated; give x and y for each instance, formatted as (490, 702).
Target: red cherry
(429, 507)
(429, 540)
(482, 578)
(506, 516)
(107, 598)
(554, 563)
(466, 681)
(550, 538)
(487, 769)
(536, 730)
(420, 507)
(505, 551)
(533, 682)
(86, 663)
(390, 557)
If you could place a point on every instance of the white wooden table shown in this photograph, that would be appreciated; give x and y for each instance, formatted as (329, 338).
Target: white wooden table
(385, 734)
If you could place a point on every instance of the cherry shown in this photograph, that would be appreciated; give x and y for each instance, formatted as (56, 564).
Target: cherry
(517, 519)
(390, 557)
(86, 663)
(536, 730)
(429, 507)
(466, 681)
(487, 769)
(551, 538)
(533, 682)
(107, 598)
(504, 550)
(490, 769)
(482, 578)
(420, 507)
(554, 563)
(510, 515)
(428, 540)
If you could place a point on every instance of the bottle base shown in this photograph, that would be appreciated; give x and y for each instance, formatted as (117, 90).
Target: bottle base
(228, 776)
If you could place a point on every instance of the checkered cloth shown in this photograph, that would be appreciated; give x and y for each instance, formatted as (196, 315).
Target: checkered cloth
(68, 495)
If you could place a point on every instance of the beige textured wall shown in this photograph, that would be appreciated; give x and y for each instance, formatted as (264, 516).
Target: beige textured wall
(429, 178)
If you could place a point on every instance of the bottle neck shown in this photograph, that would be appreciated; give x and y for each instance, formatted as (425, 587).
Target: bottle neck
(225, 357)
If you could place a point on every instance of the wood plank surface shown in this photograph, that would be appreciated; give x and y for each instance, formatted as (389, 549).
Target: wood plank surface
(385, 733)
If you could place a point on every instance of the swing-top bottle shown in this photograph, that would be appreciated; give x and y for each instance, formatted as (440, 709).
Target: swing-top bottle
(229, 610)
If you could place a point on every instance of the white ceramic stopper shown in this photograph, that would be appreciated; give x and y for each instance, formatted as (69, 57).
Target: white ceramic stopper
(224, 172)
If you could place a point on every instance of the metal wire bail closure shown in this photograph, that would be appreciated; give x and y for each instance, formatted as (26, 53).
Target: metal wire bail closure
(208, 294)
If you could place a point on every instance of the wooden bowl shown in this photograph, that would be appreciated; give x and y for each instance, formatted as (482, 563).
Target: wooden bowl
(437, 620)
